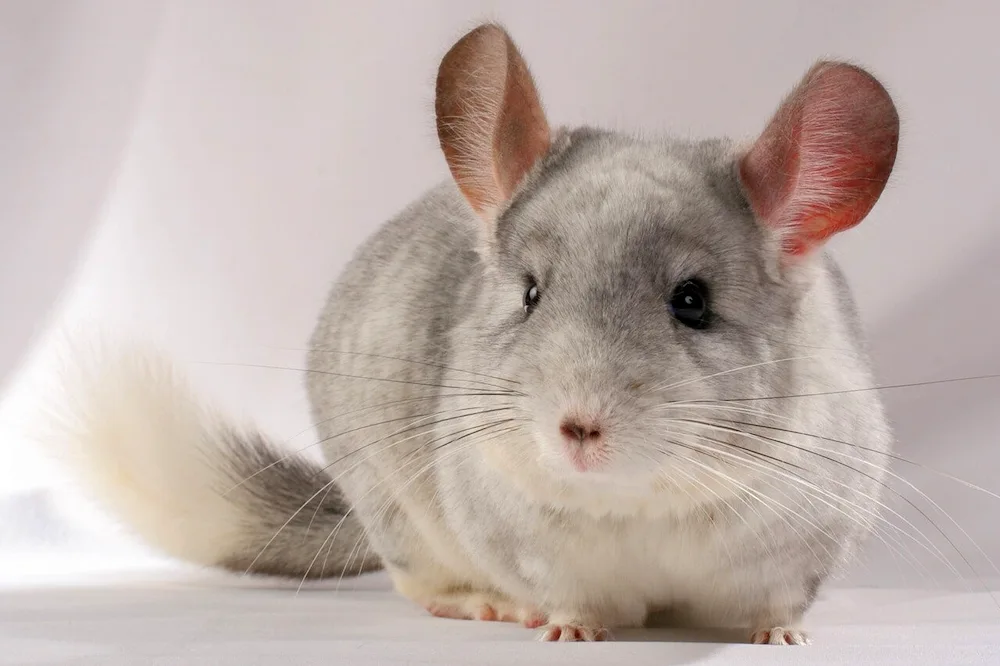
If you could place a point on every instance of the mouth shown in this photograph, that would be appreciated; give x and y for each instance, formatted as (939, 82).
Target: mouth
(585, 459)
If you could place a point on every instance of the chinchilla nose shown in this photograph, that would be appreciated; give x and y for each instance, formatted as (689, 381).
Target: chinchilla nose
(578, 431)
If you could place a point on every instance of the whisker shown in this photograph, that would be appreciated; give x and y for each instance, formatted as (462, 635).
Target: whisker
(711, 405)
(818, 492)
(332, 437)
(344, 375)
(343, 518)
(428, 364)
(670, 387)
(885, 387)
(395, 493)
(404, 430)
(903, 480)
(326, 487)
(705, 488)
(844, 485)
(888, 454)
(747, 489)
(429, 426)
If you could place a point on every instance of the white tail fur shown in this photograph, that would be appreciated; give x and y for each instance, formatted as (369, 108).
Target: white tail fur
(139, 440)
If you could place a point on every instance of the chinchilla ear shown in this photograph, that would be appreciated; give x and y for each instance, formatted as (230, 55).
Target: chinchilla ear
(490, 122)
(824, 159)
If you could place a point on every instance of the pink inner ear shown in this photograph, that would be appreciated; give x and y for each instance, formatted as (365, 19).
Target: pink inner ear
(825, 157)
(522, 135)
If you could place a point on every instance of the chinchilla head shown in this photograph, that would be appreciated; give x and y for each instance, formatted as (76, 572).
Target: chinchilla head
(638, 290)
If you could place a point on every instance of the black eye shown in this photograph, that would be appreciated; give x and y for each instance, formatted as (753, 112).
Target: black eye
(531, 297)
(689, 304)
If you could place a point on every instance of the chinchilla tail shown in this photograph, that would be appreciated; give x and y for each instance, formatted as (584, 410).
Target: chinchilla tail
(189, 482)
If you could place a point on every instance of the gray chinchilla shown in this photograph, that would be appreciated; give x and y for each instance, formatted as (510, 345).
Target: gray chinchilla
(587, 378)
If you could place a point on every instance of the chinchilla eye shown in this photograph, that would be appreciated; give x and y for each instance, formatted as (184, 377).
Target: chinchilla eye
(689, 304)
(531, 296)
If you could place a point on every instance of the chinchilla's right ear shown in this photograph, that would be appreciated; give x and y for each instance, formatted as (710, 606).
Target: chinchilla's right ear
(490, 122)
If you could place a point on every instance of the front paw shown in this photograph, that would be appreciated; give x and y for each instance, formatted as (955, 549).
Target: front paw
(484, 607)
(780, 636)
(573, 632)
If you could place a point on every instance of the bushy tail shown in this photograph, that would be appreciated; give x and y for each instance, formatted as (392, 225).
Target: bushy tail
(131, 430)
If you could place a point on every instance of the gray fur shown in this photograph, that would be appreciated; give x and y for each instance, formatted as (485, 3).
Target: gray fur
(271, 487)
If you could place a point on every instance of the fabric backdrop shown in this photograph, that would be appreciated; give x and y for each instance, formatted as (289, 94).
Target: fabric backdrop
(196, 173)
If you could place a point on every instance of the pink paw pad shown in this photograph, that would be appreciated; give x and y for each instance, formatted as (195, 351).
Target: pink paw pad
(535, 620)
(573, 633)
(780, 636)
(446, 611)
(487, 613)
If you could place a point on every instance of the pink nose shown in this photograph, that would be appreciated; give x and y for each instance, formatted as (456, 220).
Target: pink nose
(577, 431)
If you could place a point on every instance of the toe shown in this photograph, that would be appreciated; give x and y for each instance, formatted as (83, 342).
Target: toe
(573, 633)
(447, 611)
(780, 636)
(535, 620)
(550, 634)
(487, 613)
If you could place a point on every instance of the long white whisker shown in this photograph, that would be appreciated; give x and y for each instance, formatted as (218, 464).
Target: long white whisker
(893, 475)
(326, 487)
(812, 491)
(407, 428)
(337, 527)
(774, 502)
(738, 484)
(927, 543)
(332, 437)
(686, 382)
(427, 467)
(766, 440)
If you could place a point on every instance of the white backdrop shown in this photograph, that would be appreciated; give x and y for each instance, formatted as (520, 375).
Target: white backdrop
(229, 155)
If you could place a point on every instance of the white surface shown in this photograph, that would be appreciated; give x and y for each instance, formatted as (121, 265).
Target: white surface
(191, 618)
(68, 596)
(204, 621)
(230, 155)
